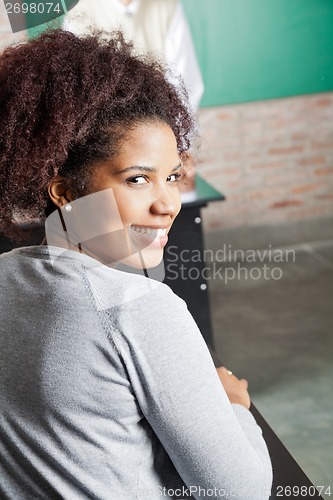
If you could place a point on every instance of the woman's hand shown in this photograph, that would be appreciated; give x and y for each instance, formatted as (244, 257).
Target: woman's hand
(236, 389)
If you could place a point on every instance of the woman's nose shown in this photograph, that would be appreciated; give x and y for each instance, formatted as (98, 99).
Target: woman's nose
(166, 201)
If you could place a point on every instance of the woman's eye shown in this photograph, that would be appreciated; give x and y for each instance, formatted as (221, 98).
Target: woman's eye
(138, 179)
(174, 177)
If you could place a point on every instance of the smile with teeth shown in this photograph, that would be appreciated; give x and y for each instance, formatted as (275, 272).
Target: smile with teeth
(150, 231)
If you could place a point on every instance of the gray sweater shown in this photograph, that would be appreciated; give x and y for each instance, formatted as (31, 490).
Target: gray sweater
(108, 391)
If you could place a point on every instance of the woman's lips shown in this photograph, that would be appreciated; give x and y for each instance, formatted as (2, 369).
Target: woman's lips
(149, 236)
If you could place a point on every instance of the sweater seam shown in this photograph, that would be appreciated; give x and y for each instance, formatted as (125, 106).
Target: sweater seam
(108, 329)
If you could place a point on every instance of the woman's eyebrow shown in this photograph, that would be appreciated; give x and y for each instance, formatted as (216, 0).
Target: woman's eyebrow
(144, 169)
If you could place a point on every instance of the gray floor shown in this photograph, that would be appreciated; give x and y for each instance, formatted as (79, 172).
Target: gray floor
(278, 334)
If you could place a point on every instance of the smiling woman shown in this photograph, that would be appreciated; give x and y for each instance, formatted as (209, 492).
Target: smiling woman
(107, 388)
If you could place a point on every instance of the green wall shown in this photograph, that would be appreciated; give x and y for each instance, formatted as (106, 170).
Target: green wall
(260, 49)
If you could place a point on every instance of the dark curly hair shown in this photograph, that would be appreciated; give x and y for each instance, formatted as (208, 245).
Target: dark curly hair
(66, 102)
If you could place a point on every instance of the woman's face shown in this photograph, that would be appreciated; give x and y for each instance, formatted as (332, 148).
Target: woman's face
(139, 196)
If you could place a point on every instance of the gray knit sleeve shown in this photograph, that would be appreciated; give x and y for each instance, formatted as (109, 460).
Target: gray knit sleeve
(216, 447)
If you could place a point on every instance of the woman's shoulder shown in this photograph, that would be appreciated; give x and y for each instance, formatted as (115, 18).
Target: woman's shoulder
(79, 273)
(126, 288)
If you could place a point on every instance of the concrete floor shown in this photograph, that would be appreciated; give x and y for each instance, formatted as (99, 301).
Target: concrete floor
(278, 334)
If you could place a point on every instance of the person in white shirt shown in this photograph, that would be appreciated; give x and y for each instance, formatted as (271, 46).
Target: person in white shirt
(154, 26)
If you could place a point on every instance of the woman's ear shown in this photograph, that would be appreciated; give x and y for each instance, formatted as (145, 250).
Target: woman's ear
(59, 191)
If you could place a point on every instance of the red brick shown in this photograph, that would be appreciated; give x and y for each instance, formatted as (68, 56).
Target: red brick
(322, 145)
(286, 177)
(224, 116)
(324, 196)
(221, 172)
(233, 156)
(230, 171)
(299, 136)
(278, 123)
(306, 188)
(323, 102)
(233, 184)
(310, 212)
(267, 165)
(263, 194)
(314, 160)
(324, 171)
(286, 150)
(285, 203)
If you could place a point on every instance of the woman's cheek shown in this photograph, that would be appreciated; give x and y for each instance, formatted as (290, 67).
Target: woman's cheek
(131, 206)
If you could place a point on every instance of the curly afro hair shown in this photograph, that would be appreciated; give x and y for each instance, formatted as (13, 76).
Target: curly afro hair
(65, 103)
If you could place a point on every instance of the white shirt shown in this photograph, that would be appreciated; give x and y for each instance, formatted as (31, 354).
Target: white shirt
(179, 49)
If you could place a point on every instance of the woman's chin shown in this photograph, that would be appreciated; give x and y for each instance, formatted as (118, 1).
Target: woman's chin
(144, 259)
(113, 249)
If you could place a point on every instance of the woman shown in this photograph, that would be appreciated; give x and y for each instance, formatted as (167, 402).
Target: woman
(107, 388)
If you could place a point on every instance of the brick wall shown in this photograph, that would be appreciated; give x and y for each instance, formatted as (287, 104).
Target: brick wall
(272, 159)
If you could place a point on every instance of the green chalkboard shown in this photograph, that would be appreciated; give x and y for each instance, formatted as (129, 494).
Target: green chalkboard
(261, 49)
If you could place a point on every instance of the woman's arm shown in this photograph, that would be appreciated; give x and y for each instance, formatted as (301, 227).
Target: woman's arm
(212, 443)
